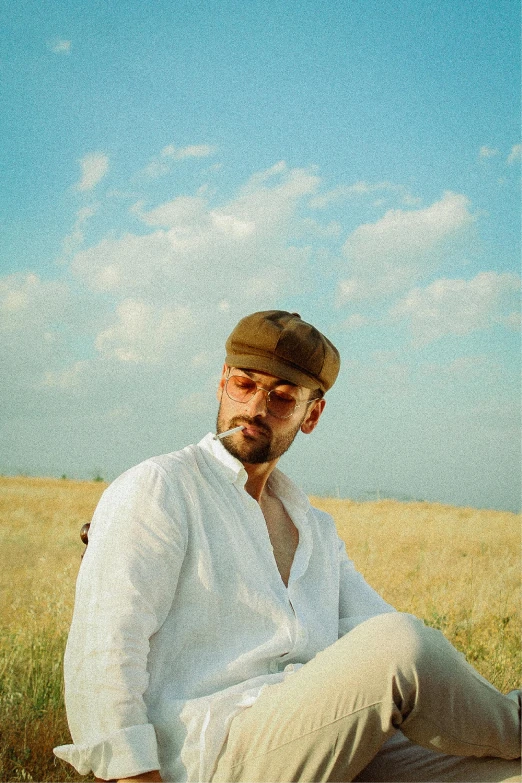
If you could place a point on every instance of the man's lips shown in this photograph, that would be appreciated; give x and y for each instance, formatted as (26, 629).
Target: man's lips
(253, 430)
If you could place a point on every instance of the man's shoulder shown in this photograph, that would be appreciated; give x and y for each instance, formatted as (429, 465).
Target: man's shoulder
(322, 516)
(325, 523)
(162, 468)
(173, 461)
(288, 491)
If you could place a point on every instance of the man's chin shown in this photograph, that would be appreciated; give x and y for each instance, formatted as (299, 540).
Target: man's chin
(252, 454)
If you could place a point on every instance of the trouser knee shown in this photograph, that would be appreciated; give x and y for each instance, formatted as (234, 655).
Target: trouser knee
(403, 642)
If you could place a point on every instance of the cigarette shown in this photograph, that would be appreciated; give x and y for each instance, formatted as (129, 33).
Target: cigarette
(229, 432)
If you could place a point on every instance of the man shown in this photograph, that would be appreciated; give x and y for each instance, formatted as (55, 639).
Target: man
(220, 632)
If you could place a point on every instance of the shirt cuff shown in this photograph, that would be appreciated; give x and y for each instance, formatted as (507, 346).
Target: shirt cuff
(123, 754)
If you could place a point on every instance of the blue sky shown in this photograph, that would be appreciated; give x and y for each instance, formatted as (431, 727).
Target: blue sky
(170, 167)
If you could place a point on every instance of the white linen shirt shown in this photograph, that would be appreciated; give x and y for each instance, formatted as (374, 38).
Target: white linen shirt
(181, 616)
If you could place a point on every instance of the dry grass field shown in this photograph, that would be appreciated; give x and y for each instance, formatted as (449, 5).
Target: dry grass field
(457, 568)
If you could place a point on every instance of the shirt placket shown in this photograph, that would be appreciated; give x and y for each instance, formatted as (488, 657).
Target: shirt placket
(297, 635)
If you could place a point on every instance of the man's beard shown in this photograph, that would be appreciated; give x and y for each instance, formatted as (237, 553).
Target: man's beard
(255, 452)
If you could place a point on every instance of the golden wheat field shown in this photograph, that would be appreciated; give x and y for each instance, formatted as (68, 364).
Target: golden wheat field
(457, 568)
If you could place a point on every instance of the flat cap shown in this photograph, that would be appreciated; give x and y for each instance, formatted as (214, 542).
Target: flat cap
(282, 344)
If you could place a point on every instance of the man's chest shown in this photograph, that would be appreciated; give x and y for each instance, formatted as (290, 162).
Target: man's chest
(283, 535)
(236, 565)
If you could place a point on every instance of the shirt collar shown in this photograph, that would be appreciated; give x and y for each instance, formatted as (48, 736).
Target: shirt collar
(234, 471)
(286, 490)
(231, 467)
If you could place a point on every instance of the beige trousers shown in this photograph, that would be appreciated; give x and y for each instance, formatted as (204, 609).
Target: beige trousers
(390, 701)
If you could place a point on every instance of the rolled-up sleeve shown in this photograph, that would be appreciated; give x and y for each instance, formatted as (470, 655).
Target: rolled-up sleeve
(357, 600)
(124, 591)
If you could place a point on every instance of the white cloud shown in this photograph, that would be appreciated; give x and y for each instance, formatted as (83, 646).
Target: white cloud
(69, 378)
(212, 169)
(130, 264)
(182, 213)
(263, 176)
(354, 321)
(192, 151)
(60, 46)
(351, 290)
(229, 224)
(163, 163)
(32, 316)
(458, 307)
(273, 204)
(75, 238)
(156, 168)
(363, 188)
(143, 333)
(189, 216)
(94, 167)
(515, 154)
(242, 250)
(27, 300)
(487, 152)
(511, 321)
(388, 255)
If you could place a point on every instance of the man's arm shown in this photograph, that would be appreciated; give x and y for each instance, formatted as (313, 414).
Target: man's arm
(357, 600)
(125, 589)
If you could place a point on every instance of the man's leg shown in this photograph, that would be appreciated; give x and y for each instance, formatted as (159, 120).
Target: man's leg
(328, 720)
(401, 761)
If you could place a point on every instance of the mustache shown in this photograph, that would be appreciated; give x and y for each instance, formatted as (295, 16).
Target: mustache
(258, 422)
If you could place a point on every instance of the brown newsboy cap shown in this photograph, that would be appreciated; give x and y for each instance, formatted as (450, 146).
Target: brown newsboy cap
(283, 345)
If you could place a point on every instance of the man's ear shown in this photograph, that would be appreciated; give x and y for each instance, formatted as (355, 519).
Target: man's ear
(312, 417)
(222, 381)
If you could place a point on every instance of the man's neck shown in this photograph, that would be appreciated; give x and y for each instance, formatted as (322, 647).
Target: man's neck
(258, 475)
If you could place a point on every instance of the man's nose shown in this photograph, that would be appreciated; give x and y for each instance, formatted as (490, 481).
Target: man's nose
(257, 403)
